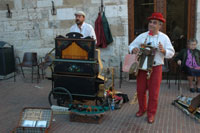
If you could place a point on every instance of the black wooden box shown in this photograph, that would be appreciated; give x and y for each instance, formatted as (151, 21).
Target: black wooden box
(95, 119)
(76, 67)
(7, 61)
(77, 85)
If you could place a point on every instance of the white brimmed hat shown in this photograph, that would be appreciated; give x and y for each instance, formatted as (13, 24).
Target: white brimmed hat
(80, 13)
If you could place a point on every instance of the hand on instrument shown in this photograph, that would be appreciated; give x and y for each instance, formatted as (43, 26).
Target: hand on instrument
(135, 50)
(162, 50)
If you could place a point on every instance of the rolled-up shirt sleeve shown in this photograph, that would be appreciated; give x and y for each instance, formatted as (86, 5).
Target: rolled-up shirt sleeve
(92, 33)
(135, 43)
(169, 49)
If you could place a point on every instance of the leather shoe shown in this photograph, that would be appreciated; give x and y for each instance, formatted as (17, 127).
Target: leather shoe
(151, 119)
(139, 114)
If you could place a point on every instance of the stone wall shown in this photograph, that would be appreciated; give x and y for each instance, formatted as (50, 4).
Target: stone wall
(33, 28)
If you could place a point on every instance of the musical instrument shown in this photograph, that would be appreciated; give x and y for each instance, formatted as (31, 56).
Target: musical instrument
(146, 58)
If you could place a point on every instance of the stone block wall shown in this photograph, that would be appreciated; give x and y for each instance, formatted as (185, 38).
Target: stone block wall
(33, 27)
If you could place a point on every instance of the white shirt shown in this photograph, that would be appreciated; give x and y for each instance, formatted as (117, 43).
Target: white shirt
(154, 40)
(86, 30)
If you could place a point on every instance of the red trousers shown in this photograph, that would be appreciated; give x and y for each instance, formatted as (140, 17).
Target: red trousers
(153, 86)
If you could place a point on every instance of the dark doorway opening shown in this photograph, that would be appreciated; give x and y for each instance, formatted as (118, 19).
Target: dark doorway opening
(176, 29)
(142, 9)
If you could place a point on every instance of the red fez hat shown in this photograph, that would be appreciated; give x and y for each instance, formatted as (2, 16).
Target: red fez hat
(158, 16)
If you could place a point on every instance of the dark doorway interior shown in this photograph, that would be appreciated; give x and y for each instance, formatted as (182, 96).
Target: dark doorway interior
(142, 9)
(177, 23)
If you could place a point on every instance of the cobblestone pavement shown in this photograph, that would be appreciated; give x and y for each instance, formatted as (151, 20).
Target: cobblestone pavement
(169, 119)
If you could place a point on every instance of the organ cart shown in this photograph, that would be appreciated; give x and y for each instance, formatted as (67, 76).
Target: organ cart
(75, 71)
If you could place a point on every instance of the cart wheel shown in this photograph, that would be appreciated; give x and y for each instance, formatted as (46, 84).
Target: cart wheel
(100, 101)
(60, 96)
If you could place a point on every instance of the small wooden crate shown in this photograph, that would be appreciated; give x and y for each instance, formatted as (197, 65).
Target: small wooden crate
(96, 119)
(34, 120)
(84, 116)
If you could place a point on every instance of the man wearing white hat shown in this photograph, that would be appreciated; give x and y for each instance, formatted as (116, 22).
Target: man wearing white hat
(81, 27)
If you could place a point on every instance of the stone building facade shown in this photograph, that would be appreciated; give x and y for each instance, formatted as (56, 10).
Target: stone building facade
(33, 27)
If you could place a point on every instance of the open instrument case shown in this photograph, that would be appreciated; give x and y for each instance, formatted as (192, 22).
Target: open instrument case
(34, 120)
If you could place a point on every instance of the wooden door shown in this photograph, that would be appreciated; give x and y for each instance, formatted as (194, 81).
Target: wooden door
(161, 6)
(158, 6)
(191, 19)
(131, 20)
(170, 10)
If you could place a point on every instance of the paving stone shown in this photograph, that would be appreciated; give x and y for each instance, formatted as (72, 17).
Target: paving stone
(169, 119)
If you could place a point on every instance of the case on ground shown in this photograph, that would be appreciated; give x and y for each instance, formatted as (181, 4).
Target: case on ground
(34, 120)
(189, 106)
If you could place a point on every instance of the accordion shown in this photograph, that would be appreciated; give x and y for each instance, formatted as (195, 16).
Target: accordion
(146, 58)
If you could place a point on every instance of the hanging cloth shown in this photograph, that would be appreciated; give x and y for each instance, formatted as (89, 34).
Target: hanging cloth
(101, 39)
(106, 28)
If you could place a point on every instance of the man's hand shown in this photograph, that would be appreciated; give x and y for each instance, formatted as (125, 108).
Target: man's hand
(162, 50)
(135, 50)
(179, 62)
